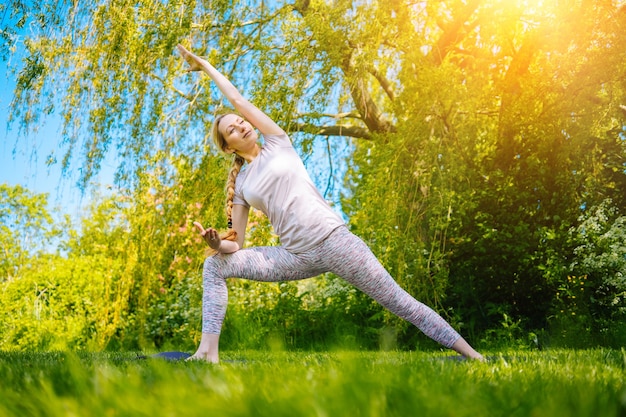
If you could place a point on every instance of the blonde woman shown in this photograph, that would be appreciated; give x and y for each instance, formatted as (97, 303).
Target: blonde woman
(314, 239)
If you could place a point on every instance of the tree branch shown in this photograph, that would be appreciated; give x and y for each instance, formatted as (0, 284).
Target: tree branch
(171, 87)
(331, 172)
(336, 130)
(369, 111)
(454, 31)
(384, 83)
(207, 25)
(336, 116)
(511, 91)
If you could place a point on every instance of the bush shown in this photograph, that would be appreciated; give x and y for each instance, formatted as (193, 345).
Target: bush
(590, 302)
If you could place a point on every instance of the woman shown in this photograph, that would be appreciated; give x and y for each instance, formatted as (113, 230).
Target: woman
(314, 239)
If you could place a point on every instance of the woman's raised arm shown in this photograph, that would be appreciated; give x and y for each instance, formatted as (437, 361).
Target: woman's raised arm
(248, 110)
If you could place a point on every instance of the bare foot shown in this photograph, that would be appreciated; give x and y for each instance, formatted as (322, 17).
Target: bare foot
(477, 357)
(201, 356)
(462, 347)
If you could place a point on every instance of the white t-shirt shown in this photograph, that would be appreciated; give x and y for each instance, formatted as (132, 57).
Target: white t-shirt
(277, 183)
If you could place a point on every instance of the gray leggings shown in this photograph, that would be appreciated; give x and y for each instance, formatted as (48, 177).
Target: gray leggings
(341, 253)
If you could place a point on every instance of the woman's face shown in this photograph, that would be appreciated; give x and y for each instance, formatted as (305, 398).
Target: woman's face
(238, 133)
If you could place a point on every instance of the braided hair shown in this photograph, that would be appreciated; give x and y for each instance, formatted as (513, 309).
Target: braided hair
(235, 167)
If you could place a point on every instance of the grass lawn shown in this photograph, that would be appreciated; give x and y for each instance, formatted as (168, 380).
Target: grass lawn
(550, 383)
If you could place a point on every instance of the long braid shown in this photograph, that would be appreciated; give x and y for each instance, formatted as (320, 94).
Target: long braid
(230, 233)
(235, 167)
(230, 187)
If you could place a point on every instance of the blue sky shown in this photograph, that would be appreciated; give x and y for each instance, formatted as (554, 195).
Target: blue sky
(23, 157)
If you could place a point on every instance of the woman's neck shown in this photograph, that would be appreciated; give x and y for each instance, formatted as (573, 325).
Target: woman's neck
(250, 155)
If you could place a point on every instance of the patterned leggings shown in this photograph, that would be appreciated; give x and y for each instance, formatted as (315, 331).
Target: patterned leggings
(343, 254)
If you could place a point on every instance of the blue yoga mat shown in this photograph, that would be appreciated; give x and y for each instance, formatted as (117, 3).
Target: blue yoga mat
(171, 356)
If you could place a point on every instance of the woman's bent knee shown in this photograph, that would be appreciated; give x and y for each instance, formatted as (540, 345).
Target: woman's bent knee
(211, 262)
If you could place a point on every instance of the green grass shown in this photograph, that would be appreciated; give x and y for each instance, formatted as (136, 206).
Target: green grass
(553, 383)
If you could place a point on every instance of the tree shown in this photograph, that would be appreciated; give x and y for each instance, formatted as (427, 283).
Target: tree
(26, 228)
(479, 128)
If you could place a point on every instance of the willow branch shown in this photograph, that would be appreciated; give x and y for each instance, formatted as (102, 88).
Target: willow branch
(335, 130)
(384, 83)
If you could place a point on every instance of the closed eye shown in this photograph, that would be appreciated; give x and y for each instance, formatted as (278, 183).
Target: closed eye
(232, 128)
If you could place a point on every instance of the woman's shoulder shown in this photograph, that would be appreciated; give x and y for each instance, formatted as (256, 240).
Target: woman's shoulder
(277, 139)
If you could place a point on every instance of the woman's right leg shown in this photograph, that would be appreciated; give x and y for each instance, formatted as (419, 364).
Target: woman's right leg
(269, 264)
(349, 257)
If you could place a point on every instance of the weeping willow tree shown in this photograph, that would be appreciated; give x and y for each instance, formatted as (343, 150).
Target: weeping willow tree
(477, 128)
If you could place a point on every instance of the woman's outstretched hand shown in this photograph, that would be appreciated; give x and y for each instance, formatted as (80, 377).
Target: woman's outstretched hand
(195, 62)
(210, 235)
